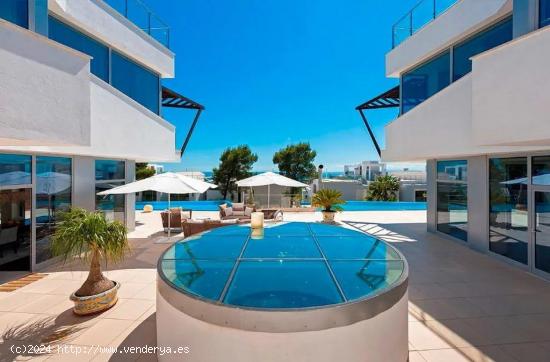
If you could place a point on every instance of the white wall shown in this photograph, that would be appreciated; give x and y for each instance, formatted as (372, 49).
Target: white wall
(121, 128)
(44, 90)
(440, 127)
(98, 19)
(510, 92)
(464, 18)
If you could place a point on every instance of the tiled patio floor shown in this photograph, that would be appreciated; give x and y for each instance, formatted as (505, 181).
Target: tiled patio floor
(464, 306)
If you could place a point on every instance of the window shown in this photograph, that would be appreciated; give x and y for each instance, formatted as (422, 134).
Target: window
(541, 170)
(425, 81)
(544, 13)
(15, 11)
(135, 81)
(53, 196)
(109, 170)
(508, 233)
(41, 17)
(15, 170)
(70, 37)
(488, 39)
(452, 198)
(109, 174)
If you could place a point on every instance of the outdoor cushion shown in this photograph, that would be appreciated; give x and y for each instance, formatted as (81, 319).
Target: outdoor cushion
(238, 206)
(228, 211)
(229, 221)
(248, 211)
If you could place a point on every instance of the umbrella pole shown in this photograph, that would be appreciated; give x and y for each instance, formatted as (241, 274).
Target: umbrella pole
(169, 214)
(268, 194)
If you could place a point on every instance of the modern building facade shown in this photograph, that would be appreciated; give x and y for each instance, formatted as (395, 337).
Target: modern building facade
(80, 104)
(473, 91)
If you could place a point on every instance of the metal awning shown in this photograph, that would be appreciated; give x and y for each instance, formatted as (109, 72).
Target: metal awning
(388, 99)
(172, 99)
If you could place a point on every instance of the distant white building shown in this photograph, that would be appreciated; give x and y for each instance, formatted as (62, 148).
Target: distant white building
(157, 168)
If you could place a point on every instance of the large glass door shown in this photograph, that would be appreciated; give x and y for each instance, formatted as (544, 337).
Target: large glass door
(15, 229)
(541, 230)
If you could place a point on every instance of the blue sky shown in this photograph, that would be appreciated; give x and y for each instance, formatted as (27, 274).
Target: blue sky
(274, 72)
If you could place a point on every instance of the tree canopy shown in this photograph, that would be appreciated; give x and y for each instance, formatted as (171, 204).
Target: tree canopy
(384, 188)
(296, 162)
(142, 171)
(235, 164)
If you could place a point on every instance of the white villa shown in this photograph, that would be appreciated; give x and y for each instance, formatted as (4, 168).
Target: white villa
(473, 99)
(81, 103)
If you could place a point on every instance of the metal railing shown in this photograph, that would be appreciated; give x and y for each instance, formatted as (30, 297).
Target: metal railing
(420, 15)
(138, 13)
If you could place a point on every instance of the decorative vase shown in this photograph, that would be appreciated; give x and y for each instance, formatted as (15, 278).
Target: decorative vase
(95, 303)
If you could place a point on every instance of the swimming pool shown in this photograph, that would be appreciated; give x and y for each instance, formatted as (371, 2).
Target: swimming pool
(297, 284)
(210, 205)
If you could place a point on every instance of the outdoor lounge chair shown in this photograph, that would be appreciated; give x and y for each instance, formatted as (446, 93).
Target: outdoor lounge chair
(176, 218)
(237, 211)
(191, 227)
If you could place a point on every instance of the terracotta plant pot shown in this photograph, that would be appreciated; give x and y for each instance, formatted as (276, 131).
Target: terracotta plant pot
(95, 303)
(328, 216)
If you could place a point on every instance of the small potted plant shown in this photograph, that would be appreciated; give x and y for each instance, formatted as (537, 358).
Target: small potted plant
(89, 236)
(330, 200)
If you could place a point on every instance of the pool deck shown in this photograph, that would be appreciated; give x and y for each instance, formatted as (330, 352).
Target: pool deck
(464, 306)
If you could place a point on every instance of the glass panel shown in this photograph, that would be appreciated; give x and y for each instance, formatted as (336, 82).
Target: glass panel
(208, 247)
(41, 17)
(203, 278)
(544, 12)
(282, 284)
(456, 170)
(15, 11)
(542, 228)
(15, 170)
(355, 247)
(289, 228)
(135, 81)
(15, 229)
(493, 37)
(109, 170)
(452, 209)
(70, 37)
(53, 195)
(113, 206)
(361, 278)
(508, 207)
(282, 247)
(541, 170)
(425, 81)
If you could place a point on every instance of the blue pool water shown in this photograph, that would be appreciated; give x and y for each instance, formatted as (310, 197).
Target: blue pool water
(193, 205)
(292, 265)
(349, 206)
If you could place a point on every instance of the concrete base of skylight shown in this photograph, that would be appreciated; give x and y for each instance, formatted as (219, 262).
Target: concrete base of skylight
(383, 337)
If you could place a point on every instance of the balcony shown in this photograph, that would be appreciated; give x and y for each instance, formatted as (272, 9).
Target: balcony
(138, 13)
(420, 15)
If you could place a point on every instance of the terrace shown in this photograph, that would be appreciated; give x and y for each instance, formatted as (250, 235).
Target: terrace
(463, 306)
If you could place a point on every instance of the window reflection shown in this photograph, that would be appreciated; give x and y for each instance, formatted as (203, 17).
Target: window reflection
(544, 12)
(53, 196)
(542, 227)
(452, 209)
(508, 207)
(423, 82)
(488, 39)
(15, 11)
(109, 170)
(541, 170)
(15, 170)
(70, 37)
(113, 206)
(15, 229)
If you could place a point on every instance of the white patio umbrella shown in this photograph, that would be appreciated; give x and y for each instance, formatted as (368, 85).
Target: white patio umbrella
(268, 179)
(168, 183)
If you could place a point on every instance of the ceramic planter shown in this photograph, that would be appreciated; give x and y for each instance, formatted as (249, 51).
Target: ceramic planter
(328, 216)
(95, 303)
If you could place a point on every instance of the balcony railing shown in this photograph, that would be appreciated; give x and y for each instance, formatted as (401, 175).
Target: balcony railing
(420, 15)
(138, 13)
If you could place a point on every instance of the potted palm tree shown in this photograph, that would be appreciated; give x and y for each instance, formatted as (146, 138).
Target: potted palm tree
(384, 188)
(330, 200)
(89, 236)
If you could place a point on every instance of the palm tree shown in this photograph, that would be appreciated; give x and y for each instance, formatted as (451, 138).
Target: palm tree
(330, 200)
(89, 236)
(384, 188)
